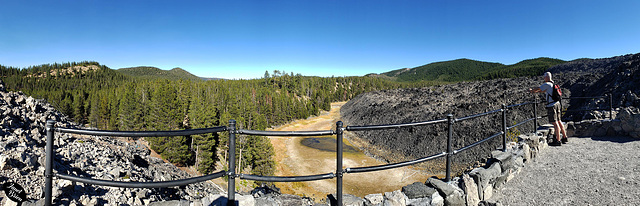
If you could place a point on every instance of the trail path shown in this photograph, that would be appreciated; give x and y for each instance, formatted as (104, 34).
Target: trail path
(296, 159)
(586, 171)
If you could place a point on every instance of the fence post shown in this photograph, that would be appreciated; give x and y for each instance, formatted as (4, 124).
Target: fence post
(339, 134)
(48, 173)
(535, 116)
(449, 149)
(231, 196)
(504, 127)
(610, 106)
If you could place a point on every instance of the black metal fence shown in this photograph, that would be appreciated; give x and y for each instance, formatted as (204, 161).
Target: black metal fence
(232, 130)
(606, 96)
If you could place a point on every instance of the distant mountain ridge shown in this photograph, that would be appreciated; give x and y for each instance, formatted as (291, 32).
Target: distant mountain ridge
(146, 72)
(467, 69)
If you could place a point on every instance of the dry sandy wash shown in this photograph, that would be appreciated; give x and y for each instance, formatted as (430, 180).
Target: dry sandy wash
(294, 158)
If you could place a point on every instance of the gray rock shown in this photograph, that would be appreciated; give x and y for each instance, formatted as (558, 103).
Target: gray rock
(485, 178)
(505, 158)
(373, 199)
(215, 200)
(171, 203)
(455, 199)
(4, 162)
(247, 200)
(291, 200)
(442, 187)
(266, 201)
(347, 199)
(65, 185)
(437, 200)
(395, 198)
(417, 190)
(501, 180)
(425, 201)
(471, 189)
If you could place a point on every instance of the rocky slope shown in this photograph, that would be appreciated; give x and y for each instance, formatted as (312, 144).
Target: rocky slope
(588, 77)
(619, 76)
(22, 155)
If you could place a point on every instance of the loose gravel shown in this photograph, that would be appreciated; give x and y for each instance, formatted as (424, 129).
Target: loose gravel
(586, 171)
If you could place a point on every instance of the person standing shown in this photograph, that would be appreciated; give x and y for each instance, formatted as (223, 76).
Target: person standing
(554, 109)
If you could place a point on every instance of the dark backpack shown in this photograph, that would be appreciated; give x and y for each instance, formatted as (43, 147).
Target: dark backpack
(557, 93)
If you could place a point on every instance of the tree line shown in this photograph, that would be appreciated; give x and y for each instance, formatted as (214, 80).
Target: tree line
(107, 100)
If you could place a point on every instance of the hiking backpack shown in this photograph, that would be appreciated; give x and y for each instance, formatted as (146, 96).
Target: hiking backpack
(557, 93)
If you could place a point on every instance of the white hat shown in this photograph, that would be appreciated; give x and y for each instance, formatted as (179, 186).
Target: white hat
(548, 74)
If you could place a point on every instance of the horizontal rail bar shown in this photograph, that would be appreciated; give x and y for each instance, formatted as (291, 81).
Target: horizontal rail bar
(521, 104)
(390, 126)
(525, 121)
(394, 165)
(172, 183)
(286, 133)
(287, 179)
(143, 133)
(478, 142)
(478, 115)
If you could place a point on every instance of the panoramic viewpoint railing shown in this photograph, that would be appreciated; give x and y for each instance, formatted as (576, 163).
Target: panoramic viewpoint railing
(609, 96)
(232, 130)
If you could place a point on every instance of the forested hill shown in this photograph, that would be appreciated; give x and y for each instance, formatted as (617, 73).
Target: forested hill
(156, 73)
(97, 96)
(467, 70)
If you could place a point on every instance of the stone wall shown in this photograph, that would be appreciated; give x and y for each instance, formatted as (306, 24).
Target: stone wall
(626, 123)
(476, 186)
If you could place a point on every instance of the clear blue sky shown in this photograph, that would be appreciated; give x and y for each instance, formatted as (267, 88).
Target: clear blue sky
(242, 39)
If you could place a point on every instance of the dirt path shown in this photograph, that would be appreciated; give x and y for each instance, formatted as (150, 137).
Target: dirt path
(296, 159)
(587, 171)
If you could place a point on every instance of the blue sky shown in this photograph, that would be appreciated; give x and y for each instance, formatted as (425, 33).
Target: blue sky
(243, 39)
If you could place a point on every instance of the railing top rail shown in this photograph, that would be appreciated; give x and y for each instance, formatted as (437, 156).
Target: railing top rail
(162, 184)
(287, 178)
(520, 123)
(286, 133)
(477, 143)
(478, 115)
(143, 133)
(393, 165)
(392, 126)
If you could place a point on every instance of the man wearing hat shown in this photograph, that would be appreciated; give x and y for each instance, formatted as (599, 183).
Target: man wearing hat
(554, 109)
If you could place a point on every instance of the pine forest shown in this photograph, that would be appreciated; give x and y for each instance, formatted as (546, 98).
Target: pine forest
(105, 99)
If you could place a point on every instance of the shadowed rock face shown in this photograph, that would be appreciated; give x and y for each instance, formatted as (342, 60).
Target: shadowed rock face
(617, 75)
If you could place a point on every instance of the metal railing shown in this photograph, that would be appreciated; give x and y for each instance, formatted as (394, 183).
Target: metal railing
(231, 129)
(606, 96)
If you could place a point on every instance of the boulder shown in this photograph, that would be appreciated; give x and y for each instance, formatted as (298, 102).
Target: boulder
(485, 178)
(452, 194)
(425, 201)
(347, 199)
(471, 189)
(437, 200)
(245, 200)
(395, 198)
(4, 162)
(171, 203)
(505, 158)
(266, 201)
(290, 200)
(373, 199)
(417, 190)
